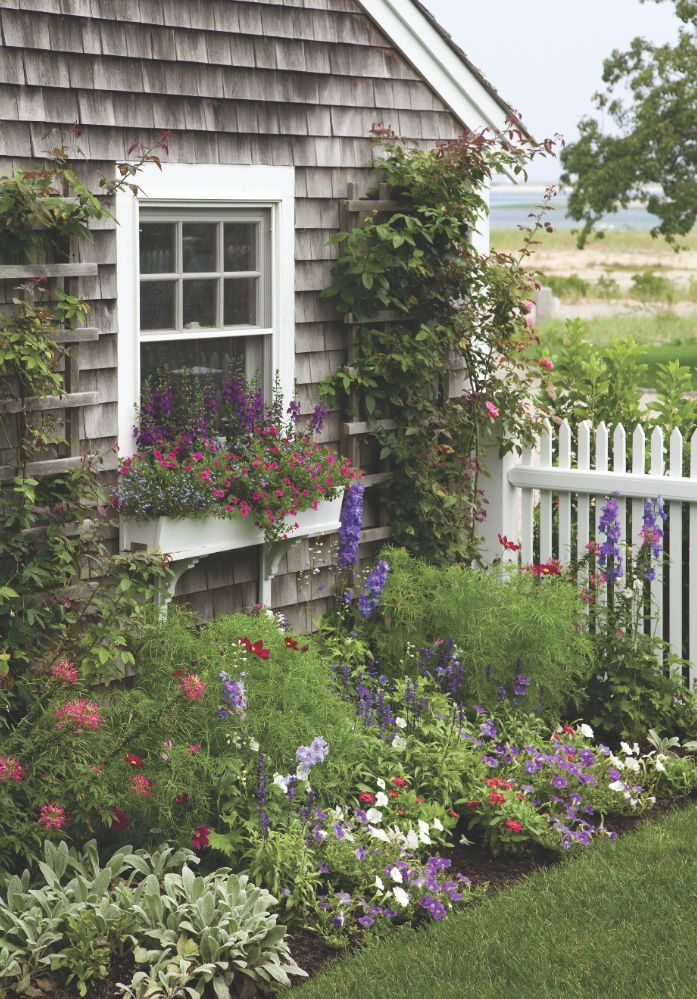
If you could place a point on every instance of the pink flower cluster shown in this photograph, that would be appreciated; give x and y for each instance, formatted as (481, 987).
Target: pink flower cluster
(10, 769)
(141, 785)
(65, 671)
(80, 713)
(193, 687)
(52, 816)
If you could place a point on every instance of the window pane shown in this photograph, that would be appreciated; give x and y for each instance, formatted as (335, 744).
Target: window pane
(157, 248)
(199, 250)
(200, 304)
(240, 245)
(208, 364)
(157, 310)
(241, 302)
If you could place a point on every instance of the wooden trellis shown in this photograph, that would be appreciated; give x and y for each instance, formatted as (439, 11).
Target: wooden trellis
(71, 400)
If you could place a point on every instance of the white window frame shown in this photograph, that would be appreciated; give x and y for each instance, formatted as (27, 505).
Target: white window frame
(204, 186)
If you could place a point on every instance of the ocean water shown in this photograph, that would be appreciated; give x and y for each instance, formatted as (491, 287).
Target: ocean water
(511, 206)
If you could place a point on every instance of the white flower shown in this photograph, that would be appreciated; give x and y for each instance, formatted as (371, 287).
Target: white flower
(466, 842)
(411, 840)
(401, 896)
(380, 783)
(396, 875)
(374, 815)
(586, 731)
(379, 884)
(626, 748)
(423, 832)
(651, 801)
(381, 799)
(399, 742)
(632, 764)
(302, 774)
(659, 764)
(254, 745)
(616, 785)
(627, 593)
(423, 826)
(400, 723)
(379, 834)
(617, 764)
(437, 824)
(638, 585)
(281, 782)
(636, 748)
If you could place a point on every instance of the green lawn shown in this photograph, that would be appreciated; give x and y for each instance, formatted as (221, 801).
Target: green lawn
(620, 241)
(618, 923)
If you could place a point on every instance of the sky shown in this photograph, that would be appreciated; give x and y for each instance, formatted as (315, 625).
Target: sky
(545, 57)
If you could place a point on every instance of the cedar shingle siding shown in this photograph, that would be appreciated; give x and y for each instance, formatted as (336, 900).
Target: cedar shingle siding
(293, 82)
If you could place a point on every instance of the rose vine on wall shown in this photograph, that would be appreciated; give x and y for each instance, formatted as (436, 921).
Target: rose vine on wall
(464, 317)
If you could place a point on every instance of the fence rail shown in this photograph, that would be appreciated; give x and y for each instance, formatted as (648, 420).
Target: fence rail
(550, 498)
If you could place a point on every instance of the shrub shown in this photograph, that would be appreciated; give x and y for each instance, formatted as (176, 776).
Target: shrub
(570, 287)
(504, 624)
(651, 287)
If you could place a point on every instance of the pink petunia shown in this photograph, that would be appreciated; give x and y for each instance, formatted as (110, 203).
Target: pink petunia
(491, 410)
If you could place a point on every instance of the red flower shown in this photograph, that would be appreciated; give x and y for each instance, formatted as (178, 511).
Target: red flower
(473, 804)
(141, 785)
(120, 820)
(551, 568)
(200, 837)
(255, 647)
(513, 825)
(290, 643)
(455, 815)
(420, 800)
(193, 687)
(393, 794)
(510, 546)
(399, 782)
(568, 729)
(366, 797)
(181, 798)
(496, 798)
(133, 760)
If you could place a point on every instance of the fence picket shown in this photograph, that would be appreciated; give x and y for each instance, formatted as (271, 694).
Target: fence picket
(601, 465)
(565, 498)
(692, 606)
(675, 570)
(583, 506)
(656, 468)
(546, 441)
(619, 464)
(526, 514)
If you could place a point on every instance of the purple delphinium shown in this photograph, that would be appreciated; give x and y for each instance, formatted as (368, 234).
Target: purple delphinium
(293, 410)
(307, 756)
(609, 555)
(351, 522)
(652, 532)
(236, 696)
(375, 581)
(262, 789)
(317, 419)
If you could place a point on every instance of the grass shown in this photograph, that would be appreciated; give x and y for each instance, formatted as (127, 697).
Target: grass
(619, 241)
(616, 923)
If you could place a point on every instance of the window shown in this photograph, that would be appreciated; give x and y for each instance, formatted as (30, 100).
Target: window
(205, 278)
(206, 294)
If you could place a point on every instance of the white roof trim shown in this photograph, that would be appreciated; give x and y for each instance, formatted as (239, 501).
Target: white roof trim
(441, 67)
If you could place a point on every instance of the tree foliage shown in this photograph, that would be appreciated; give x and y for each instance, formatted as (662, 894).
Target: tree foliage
(651, 152)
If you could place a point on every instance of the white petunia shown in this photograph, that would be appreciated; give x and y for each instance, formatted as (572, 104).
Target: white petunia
(659, 765)
(254, 745)
(466, 842)
(617, 763)
(400, 722)
(411, 840)
(616, 785)
(401, 896)
(379, 884)
(626, 748)
(586, 731)
(374, 815)
(380, 783)
(423, 832)
(381, 799)
(636, 748)
(399, 742)
(281, 781)
(396, 875)
(632, 764)
(437, 824)
(379, 834)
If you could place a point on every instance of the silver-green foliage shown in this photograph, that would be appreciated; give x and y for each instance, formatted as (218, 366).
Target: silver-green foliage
(150, 903)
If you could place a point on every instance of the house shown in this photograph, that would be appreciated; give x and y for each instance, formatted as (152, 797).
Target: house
(270, 105)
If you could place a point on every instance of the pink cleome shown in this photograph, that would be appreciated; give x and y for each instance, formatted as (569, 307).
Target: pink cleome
(52, 816)
(80, 713)
(10, 769)
(65, 671)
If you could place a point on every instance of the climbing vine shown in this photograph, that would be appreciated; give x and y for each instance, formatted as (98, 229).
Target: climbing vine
(63, 592)
(454, 370)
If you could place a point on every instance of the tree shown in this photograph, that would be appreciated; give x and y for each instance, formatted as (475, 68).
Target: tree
(651, 154)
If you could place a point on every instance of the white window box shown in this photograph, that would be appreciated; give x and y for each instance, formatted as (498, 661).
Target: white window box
(186, 540)
(188, 537)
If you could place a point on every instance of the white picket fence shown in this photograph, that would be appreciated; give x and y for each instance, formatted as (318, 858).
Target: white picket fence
(595, 464)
